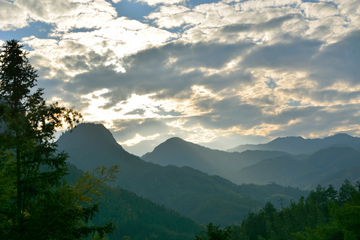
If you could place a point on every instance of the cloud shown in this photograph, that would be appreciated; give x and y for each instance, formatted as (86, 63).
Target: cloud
(69, 14)
(12, 16)
(266, 26)
(204, 72)
(338, 61)
(156, 2)
(291, 55)
(319, 10)
(138, 138)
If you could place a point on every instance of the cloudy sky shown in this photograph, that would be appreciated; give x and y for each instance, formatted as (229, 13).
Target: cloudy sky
(217, 73)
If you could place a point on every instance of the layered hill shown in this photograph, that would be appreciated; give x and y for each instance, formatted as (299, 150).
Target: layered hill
(337, 179)
(299, 145)
(287, 170)
(191, 192)
(175, 151)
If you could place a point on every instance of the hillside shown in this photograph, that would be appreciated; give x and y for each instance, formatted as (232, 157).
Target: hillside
(132, 213)
(337, 179)
(192, 193)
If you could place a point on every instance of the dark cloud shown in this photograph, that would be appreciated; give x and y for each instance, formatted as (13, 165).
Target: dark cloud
(75, 62)
(227, 113)
(261, 27)
(334, 95)
(136, 112)
(127, 128)
(149, 71)
(339, 61)
(162, 112)
(323, 121)
(294, 54)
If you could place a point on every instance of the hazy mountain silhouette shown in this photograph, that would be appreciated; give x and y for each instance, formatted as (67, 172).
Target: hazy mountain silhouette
(279, 170)
(178, 152)
(102, 147)
(299, 145)
(288, 170)
(193, 193)
(337, 179)
(324, 163)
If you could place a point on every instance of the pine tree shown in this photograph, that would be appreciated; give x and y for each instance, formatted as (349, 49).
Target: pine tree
(36, 196)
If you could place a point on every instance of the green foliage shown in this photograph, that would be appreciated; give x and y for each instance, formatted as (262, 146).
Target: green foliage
(35, 201)
(137, 217)
(215, 233)
(324, 214)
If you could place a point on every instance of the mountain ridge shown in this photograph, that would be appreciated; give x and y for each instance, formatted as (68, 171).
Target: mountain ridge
(178, 152)
(300, 145)
(191, 192)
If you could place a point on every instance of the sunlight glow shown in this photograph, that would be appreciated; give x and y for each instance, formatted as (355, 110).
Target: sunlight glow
(137, 139)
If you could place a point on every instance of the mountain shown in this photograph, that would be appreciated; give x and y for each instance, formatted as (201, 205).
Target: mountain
(191, 192)
(132, 213)
(337, 179)
(175, 151)
(299, 145)
(279, 170)
(287, 170)
(324, 163)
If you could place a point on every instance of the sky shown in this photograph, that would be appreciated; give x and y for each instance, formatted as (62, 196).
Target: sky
(215, 73)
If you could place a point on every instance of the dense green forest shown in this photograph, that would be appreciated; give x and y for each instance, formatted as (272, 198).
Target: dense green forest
(325, 214)
(137, 217)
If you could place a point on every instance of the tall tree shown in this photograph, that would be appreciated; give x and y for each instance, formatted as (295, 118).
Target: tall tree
(30, 161)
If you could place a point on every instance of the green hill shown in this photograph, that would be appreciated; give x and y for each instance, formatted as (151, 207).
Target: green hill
(139, 218)
(192, 193)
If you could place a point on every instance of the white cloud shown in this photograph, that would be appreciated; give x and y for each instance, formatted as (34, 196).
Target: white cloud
(11, 16)
(319, 10)
(264, 68)
(65, 14)
(348, 7)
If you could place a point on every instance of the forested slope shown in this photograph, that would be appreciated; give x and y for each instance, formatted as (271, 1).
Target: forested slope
(137, 217)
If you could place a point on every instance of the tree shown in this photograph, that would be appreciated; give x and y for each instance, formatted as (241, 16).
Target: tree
(214, 233)
(35, 194)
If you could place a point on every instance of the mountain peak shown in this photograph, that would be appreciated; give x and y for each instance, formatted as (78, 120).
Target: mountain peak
(175, 139)
(87, 133)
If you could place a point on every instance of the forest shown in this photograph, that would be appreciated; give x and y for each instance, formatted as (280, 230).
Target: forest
(325, 214)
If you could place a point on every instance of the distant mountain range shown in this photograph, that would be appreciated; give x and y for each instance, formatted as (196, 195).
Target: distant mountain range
(270, 165)
(299, 145)
(289, 171)
(180, 174)
(175, 151)
(194, 194)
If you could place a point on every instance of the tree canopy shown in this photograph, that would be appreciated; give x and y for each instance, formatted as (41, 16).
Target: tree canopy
(35, 200)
